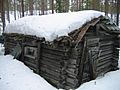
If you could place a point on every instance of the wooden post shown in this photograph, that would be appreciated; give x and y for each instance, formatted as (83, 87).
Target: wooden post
(38, 56)
(82, 61)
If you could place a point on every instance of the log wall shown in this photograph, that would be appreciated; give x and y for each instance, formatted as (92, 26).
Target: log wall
(65, 66)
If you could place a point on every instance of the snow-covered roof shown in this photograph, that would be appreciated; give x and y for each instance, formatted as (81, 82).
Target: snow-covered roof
(53, 25)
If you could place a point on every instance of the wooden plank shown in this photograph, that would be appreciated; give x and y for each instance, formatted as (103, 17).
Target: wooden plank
(104, 66)
(51, 61)
(30, 64)
(104, 62)
(53, 51)
(51, 67)
(54, 65)
(103, 53)
(84, 30)
(27, 59)
(51, 56)
(82, 61)
(105, 57)
(46, 46)
(72, 81)
(51, 76)
(103, 71)
(50, 79)
(106, 43)
(38, 58)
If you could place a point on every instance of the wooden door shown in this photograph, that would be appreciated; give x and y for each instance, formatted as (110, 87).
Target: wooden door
(93, 47)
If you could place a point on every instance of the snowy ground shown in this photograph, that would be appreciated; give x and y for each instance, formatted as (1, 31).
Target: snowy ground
(14, 75)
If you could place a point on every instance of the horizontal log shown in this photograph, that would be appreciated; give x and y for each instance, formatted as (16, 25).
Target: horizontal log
(115, 59)
(31, 64)
(106, 52)
(51, 76)
(46, 46)
(104, 62)
(30, 60)
(105, 57)
(72, 66)
(72, 75)
(103, 71)
(51, 67)
(107, 65)
(85, 80)
(72, 71)
(54, 52)
(106, 43)
(73, 61)
(103, 48)
(106, 38)
(51, 56)
(32, 68)
(49, 71)
(52, 60)
(50, 79)
(7, 44)
(71, 85)
(72, 81)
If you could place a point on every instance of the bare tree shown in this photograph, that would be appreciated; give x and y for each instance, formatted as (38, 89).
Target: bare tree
(96, 4)
(118, 11)
(65, 5)
(31, 7)
(22, 7)
(79, 5)
(42, 7)
(106, 7)
(7, 7)
(2, 11)
(52, 2)
(82, 6)
(15, 9)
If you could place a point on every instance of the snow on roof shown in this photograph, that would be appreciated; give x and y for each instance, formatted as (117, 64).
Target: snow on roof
(53, 25)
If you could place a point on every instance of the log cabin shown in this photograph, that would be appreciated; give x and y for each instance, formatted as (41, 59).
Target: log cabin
(68, 61)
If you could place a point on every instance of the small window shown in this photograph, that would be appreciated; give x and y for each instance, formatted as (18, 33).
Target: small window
(30, 52)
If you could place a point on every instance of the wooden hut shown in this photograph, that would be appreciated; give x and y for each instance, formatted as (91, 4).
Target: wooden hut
(68, 61)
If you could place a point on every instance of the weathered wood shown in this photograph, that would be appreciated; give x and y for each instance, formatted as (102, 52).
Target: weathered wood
(69, 61)
(82, 61)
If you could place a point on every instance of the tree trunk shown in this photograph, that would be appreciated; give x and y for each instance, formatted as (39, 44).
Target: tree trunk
(22, 7)
(82, 4)
(112, 9)
(52, 6)
(15, 9)
(42, 7)
(106, 7)
(7, 6)
(79, 5)
(2, 11)
(118, 8)
(31, 7)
